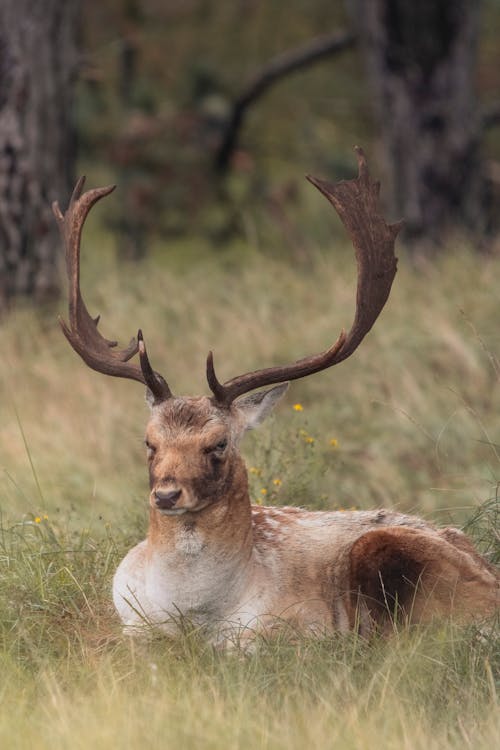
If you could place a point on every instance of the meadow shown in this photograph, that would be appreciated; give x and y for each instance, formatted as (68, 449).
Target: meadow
(411, 422)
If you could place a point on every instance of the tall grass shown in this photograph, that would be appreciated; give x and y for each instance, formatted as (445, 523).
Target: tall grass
(415, 412)
(411, 421)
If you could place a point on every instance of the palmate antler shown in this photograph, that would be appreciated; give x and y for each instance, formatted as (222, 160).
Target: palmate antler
(356, 202)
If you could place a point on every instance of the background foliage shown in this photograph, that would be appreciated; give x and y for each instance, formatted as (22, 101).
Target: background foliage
(159, 80)
(259, 270)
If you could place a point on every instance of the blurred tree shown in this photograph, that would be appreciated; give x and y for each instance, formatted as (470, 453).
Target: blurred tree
(38, 63)
(161, 102)
(132, 233)
(421, 60)
(314, 51)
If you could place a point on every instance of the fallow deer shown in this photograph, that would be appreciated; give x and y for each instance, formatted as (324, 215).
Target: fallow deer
(234, 568)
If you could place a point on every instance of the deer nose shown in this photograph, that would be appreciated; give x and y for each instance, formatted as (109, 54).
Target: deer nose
(167, 500)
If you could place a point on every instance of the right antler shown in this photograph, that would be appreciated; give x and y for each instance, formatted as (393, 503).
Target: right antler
(356, 202)
(99, 353)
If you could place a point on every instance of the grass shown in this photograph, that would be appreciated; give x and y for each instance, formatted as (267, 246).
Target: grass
(412, 422)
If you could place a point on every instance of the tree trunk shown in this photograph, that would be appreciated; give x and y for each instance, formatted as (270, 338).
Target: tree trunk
(38, 63)
(421, 61)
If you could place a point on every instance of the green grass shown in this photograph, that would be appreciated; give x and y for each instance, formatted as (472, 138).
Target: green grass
(416, 417)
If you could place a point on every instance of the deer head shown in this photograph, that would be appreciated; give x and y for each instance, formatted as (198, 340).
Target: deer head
(192, 443)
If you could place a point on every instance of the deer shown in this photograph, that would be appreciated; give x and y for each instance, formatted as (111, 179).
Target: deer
(236, 570)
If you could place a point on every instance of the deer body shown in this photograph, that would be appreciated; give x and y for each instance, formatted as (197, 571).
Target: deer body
(235, 569)
(292, 570)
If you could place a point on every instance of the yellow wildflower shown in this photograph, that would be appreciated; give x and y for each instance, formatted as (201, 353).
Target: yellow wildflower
(45, 517)
(298, 407)
(255, 470)
(277, 482)
(309, 440)
(334, 443)
(38, 519)
(263, 491)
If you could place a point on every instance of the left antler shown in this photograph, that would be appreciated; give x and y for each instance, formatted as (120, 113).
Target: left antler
(356, 202)
(99, 353)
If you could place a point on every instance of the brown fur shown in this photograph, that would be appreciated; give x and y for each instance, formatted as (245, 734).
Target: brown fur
(407, 573)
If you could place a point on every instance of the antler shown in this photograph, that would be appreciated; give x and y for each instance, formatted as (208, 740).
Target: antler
(356, 202)
(97, 352)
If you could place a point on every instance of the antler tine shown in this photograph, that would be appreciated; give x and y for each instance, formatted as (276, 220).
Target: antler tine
(96, 351)
(356, 202)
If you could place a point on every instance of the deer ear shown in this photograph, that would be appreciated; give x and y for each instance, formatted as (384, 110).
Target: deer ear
(256, 406)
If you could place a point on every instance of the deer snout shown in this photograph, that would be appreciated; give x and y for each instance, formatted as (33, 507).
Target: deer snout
(165, 500)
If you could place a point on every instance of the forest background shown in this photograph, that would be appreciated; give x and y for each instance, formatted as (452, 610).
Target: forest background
(235, 251)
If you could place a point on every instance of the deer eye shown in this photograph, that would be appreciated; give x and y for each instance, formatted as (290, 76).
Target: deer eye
(151, 449)
(218, 447)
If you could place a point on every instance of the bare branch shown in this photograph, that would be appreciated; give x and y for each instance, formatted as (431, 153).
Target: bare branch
(279, 67)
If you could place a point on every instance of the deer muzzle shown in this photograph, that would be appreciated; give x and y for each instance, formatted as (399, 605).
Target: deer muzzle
(166, 499)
